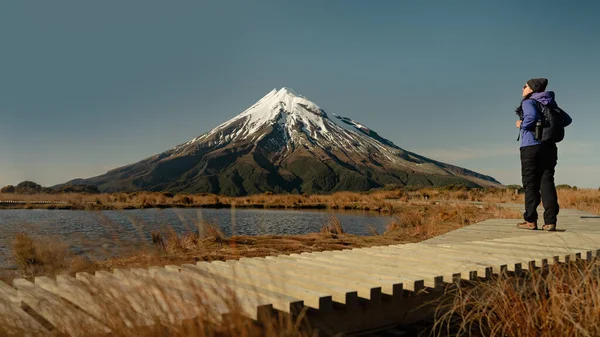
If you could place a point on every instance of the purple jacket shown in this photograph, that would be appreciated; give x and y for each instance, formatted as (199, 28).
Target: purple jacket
(531, 115)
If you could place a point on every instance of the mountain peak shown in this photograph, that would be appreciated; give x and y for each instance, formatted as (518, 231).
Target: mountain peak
(288, 91)
(285, 143)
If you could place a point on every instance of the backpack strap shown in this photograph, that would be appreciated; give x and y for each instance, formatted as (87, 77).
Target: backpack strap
(540, 108)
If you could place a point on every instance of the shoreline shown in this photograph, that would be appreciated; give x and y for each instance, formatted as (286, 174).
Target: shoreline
(100, 207)
(377, 201)
(381, 201)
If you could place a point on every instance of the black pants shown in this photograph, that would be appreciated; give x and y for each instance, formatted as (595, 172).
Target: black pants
(537, 170)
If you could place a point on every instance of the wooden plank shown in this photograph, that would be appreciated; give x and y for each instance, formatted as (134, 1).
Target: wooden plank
(259, 302)
(157, 299)
(548, 250)
(144, 298)
(262, 297)
(72, 293)
(407, 266)
(238, 273)
(586, 241)
(349, 278)
(204, 300)
(420, 265)
(412, 283)
(589, 251)
(313, 278)
(500, 263)
(59, 313)
(506, 250)
(436, 252)
(526, 258)
(113, 289)
(91, 300)
(211, 294)
(9, 293)
(14, 320)
(390, 285)
(497, 264)
(433, 281)
(178, 297)
(280, 301)
(277, 273)
(183, 294)
(426, 255)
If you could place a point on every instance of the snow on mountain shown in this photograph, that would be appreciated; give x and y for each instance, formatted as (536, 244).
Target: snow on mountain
(302, 122)
(284, 143)
(283, 107)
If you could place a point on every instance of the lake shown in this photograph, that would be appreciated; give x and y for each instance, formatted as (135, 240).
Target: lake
(99, 232)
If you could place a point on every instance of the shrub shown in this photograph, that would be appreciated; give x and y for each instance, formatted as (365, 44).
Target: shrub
(28, 187)
(8, 189)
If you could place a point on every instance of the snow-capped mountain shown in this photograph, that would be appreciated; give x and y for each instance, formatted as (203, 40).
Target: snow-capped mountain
(284, 143)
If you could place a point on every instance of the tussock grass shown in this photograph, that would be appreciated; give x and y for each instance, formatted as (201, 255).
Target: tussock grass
(562, 300)
(375, 201)
(585, 200)
(582, 199)
(153, 306)
(212, 232)
(425, 222)
(334, 226)
(379, 201)
(45, 256)
(172, 243)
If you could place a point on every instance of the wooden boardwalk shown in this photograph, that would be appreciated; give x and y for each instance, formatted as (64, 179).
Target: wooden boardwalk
(25, 202)
(341, 291)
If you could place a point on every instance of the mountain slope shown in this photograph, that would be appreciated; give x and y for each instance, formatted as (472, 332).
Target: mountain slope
(284, 143)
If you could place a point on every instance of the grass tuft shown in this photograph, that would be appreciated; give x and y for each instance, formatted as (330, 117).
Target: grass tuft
(333, 227)
(560, 300)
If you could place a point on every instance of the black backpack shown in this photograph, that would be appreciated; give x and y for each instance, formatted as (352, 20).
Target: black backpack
(552, 121)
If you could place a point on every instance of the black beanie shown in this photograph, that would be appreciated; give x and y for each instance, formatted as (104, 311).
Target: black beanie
(538, 84)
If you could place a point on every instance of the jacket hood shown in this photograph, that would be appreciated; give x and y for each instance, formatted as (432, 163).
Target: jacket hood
(546, 97)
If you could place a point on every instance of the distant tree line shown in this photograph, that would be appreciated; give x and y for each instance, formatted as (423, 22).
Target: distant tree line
(558, 187)
(566, 187)
(30, 187)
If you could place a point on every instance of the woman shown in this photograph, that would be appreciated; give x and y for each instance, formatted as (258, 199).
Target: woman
(538, 160)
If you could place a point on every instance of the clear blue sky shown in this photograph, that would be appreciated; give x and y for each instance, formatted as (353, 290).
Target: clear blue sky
(86, 86)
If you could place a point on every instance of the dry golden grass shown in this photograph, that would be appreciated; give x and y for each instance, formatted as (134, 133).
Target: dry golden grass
(425, 222)
(563, 300)
(45, 256)
(333, 227)
(342, 200)
(380, 201)
(181, 306)
(582, 199)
